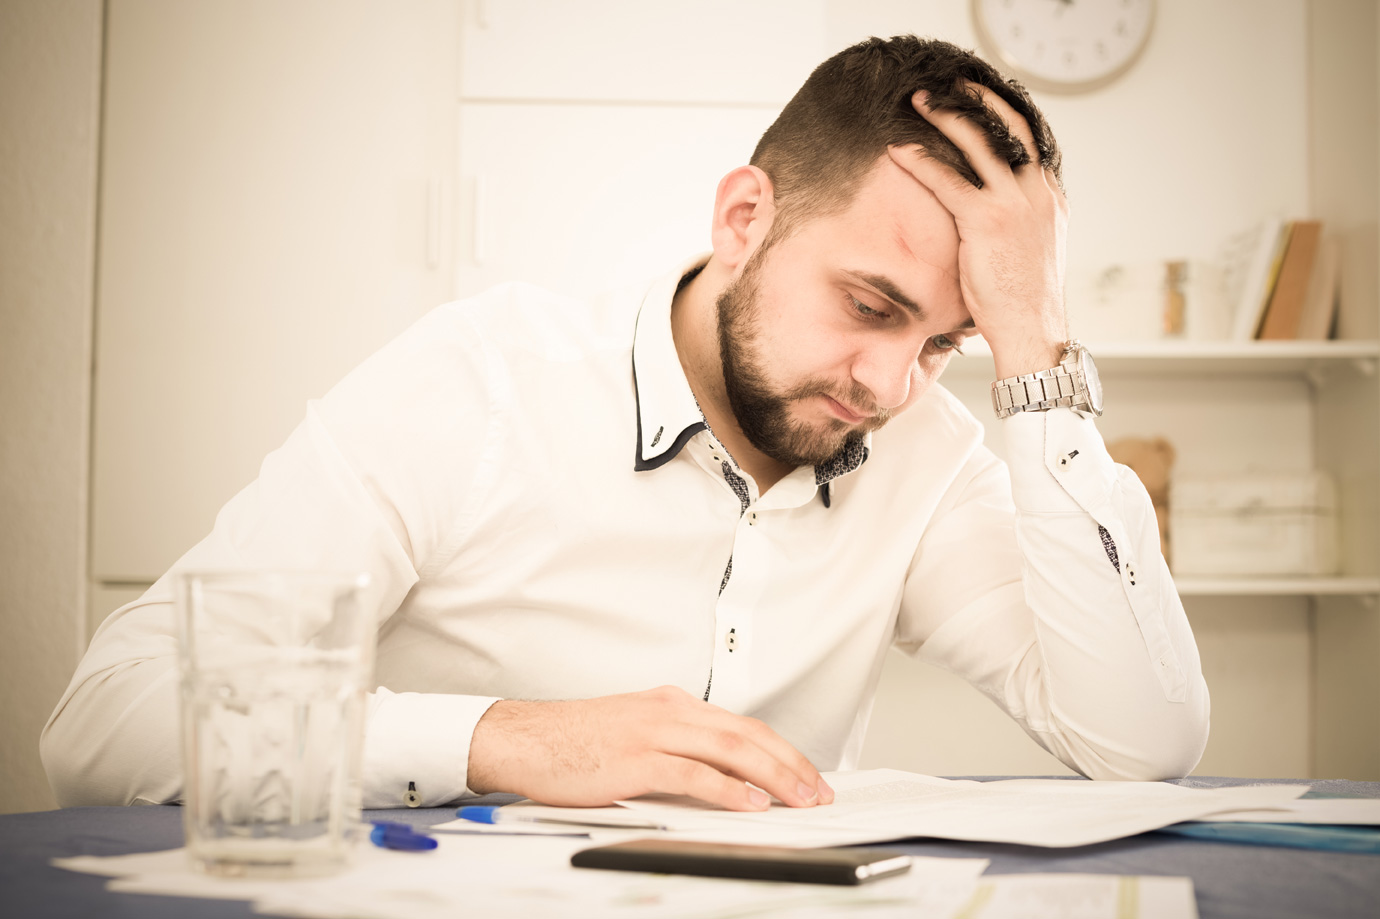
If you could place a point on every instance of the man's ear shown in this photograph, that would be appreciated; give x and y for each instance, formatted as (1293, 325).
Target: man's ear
(744, 208)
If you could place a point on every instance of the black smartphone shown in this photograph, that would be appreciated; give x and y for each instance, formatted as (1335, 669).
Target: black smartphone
(762, 863)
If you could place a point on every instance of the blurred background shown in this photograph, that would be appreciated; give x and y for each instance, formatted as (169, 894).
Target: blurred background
(211, 209)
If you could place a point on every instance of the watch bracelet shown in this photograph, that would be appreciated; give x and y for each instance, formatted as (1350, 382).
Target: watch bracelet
(1055, 387)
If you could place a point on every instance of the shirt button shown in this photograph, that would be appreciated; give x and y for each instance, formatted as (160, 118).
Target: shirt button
(717, 458)
(752, 519)
(731, 640)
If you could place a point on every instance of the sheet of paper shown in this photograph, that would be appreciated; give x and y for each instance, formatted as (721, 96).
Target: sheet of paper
(888, 804)
(531, 877)
(1081, 896)
(1328, 811)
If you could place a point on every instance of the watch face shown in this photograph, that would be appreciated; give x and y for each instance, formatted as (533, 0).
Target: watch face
(1091, 380)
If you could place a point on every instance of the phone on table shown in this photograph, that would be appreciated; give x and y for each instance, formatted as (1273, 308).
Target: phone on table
(763, 863)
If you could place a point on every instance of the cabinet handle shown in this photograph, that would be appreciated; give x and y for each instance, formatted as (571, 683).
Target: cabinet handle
(435, 190)
(481, 196)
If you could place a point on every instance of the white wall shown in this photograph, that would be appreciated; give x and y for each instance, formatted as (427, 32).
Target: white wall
(50, 60)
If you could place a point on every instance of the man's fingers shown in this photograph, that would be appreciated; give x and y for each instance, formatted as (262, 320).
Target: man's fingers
(970, 138)
(778, 747)
(1018, 125)
(688, 776)
(953, 191)
(1033, 175)
(735, 734)
(726, 745)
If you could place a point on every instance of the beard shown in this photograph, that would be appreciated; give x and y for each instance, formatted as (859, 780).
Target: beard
(763, 412)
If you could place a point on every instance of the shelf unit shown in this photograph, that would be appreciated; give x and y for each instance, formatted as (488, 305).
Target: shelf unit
(1242, 358)
(1366, 588)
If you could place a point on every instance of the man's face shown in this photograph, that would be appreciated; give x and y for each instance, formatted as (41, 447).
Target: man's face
(829, 333)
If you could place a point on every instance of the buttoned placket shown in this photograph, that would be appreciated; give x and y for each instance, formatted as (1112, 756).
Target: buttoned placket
(747, 571)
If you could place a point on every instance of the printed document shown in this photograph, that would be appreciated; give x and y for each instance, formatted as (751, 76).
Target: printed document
(882, 804)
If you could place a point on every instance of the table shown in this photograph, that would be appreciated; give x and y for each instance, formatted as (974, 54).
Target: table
(1231, 881)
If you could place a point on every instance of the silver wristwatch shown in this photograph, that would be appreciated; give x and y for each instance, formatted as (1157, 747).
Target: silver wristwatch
(1073, 384)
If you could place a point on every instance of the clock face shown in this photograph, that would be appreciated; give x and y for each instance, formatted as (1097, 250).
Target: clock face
(1065, 45)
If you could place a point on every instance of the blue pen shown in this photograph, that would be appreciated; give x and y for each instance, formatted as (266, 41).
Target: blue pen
(388, 835)
(485, 814)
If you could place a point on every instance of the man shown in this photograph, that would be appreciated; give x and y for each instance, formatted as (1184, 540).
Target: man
(661, 541)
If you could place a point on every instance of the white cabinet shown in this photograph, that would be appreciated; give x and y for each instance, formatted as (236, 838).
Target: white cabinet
(578, 198)
(275, 202)
(712, 51)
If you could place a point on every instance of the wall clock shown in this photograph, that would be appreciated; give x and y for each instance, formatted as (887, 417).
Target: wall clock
(1067, 46)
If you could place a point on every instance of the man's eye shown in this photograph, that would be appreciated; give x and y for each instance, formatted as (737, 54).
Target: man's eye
(945, 343)
(866, 311)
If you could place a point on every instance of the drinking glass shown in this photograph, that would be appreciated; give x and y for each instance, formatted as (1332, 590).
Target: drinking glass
(275, 666)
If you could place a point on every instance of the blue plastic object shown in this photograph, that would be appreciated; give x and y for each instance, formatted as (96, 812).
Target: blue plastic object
(388, 835)
(478, 813)
(1293, 835)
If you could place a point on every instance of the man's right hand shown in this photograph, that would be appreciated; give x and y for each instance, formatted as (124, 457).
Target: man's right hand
(592, 752)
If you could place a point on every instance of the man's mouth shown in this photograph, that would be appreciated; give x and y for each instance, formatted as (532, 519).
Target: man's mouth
(843, 412)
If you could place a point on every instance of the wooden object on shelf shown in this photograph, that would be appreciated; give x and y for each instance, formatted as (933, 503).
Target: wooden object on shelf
(1151, 459)
(1282, 316)
(1320, 303)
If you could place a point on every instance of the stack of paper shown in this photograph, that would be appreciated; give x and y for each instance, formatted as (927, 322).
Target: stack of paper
(876, 805)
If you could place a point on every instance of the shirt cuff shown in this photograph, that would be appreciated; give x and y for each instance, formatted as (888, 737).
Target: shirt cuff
(420, 740)
(1058, 463)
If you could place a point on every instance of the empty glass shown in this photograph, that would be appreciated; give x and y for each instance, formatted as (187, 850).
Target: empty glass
(275, 666)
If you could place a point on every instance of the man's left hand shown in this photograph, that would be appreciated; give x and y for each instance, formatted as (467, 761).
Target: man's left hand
(1011, 237)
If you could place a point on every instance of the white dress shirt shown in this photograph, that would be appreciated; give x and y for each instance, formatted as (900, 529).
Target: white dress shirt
(530, 484)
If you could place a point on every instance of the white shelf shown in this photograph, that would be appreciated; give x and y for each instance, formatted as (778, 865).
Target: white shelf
(1201, 357)
(1276, 587)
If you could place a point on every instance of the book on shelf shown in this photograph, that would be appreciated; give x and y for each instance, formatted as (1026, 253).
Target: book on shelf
(1253, 266)
(1285, 307)
(1320, 303)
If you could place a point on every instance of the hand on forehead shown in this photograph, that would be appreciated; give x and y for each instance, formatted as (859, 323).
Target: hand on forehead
(1004, 134)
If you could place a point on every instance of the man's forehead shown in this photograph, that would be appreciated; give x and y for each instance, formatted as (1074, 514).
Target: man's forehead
(896, 236)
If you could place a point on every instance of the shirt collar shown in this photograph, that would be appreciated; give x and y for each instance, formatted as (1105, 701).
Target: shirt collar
(667, 413)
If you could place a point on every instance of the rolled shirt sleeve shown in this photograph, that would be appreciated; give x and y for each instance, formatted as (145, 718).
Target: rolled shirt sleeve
(1045, 588)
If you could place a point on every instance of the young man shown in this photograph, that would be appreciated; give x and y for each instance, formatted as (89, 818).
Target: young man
(661, 541)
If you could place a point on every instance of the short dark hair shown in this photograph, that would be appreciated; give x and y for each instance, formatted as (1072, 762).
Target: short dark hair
(858, 103)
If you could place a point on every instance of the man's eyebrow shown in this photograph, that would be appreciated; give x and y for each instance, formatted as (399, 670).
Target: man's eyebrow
(887, 288)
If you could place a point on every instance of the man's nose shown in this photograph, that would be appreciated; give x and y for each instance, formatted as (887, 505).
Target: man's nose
(887, 371)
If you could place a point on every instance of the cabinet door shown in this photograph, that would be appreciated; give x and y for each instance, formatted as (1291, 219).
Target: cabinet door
(274, 181)
(579, 198)
(752, 51)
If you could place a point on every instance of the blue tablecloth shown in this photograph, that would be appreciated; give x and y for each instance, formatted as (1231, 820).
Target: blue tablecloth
(1232, 881)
